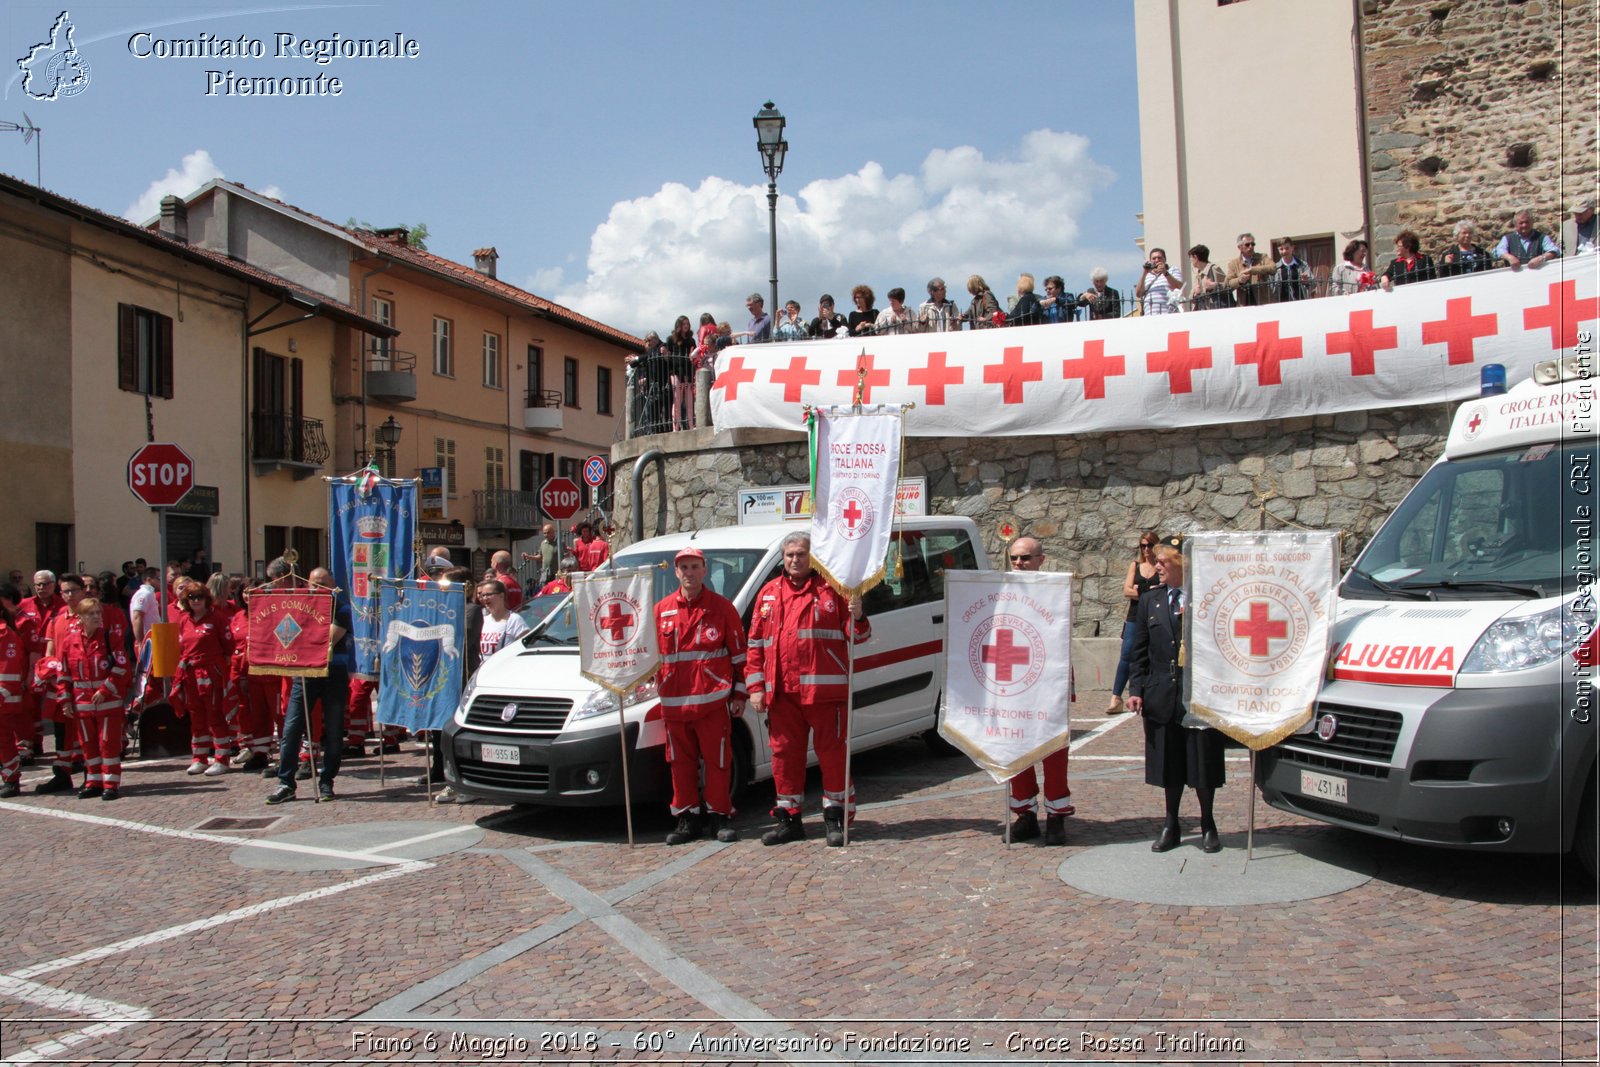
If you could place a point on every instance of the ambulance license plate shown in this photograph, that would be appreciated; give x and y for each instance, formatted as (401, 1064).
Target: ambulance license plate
(1312, 784)
(510, 755)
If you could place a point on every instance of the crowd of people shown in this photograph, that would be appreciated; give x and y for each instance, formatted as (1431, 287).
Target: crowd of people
(661, 380)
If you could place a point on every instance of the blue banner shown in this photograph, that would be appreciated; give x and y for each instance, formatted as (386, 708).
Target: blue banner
(421, 653)
(372, 523)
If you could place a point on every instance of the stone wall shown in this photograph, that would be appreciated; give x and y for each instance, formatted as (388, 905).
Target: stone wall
(1087, 497)
(1474, 109)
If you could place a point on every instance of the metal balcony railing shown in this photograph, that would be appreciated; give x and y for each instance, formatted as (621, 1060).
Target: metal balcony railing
(382, 356)
(280, 437)
(542, 398)
(505, 509)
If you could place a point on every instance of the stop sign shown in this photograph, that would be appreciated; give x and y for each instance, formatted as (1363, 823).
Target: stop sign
(560, 498)
(160, 474)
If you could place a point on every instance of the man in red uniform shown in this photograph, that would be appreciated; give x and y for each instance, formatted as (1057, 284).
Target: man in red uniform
(799, 677)
(1026, 554)
(589, 550)
(38, 611)
(701, 683)
(16, 697)
(94, 675)
(57, 626)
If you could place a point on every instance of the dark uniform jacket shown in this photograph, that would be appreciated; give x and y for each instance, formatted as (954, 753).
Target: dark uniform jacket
(1154, 672)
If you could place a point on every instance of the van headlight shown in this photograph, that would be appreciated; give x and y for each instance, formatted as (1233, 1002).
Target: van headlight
(1526, 641)
(602, 701)
(466, 699)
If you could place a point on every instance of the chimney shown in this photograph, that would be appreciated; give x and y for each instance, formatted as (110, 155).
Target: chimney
(175, 218)
(394, 235)
(483, 261)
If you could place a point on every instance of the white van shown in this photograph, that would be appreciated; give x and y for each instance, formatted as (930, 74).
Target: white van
(1459, 709)
(531, 729)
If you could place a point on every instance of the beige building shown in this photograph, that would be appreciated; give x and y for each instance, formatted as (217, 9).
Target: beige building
(119, 336)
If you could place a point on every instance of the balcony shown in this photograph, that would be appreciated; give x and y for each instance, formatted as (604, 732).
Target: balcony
(279, 441)
(391, 374)
(514, 512)
(541, 411)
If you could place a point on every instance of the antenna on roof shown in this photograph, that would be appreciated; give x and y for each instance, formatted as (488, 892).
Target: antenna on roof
(28, 131)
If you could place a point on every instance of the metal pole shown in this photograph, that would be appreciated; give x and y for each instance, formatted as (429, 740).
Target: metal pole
(627, 789)
(772, 231)
(849, 722)
(1250, 834)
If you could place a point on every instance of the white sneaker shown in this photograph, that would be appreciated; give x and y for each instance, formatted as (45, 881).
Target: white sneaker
(217, 769)
(197, 767)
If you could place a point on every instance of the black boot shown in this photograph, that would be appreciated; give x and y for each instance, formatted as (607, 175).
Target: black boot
(59, 782)
(1025, 827)
(833, 822)
(721, 830)
(688, 829)
(789, 828)
(1055, 829)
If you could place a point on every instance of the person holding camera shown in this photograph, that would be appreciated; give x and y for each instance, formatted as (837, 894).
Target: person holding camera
(1160, 285)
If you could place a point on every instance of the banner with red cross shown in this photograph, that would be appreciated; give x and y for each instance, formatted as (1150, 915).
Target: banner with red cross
(1258, 624)
(1008, 671)
(616, 631)
(855, 457)
(1423, 343)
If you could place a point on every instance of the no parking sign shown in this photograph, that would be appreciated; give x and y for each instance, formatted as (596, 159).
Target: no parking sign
(594, 470)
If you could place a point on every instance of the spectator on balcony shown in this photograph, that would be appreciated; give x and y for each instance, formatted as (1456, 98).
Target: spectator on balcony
(1578, 232)
(1248, 271)
(1056, 305)
(1102, 301)
(791, 327)
(1525, 246)
(1464, 256)
(1409, 264)
(723, 339)
(705, 348)
(1208, 283)
(1294, 280)
(679, 349)
(1159, 286)
(828, 322)
(1025, 311)
(1354, 275)
(865, 316)
(589, 551)
(896, 318)
(651, 387)
(981, 314)
(760, 328)
(938, 314)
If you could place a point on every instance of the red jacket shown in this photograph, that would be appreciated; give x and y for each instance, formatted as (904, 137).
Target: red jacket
(94, 672)
(239, 635)
(702, 655)
(15, 649)
(205, 643)
(590, 554)
(39, 613)
(513, 589)
(798, 641)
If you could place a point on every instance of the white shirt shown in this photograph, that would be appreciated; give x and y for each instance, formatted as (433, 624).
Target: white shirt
(144, 600)
(496, 635)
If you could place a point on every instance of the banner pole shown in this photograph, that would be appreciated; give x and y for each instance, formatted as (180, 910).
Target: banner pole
(1250, 834)
(427, 773)
(849, 723)
(627, 789)
(1005, 810)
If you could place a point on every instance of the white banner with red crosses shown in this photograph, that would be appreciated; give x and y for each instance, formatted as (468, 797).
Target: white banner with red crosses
(1422, 343)
(1258, 625)
(1008, 668)
(617, 645)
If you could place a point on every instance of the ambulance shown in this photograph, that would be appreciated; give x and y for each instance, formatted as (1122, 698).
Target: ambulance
(1459, 708)
(531, 729)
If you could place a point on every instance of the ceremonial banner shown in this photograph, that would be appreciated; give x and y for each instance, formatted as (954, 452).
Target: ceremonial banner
(421, 652)
(371, 526)
(855, 462)
(1424, 343)
(1008, 671)
(1259, 621)
(290, 632)
(617, 645)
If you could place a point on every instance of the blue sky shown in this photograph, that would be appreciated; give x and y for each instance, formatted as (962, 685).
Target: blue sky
(606, 149)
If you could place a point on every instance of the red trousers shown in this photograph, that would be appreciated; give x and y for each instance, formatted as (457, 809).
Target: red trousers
(16, 729)
(707, 739)
(359, 716)
(260, 706)
(200, 696)
(101, 732)
(788, 723)
(1057, 796)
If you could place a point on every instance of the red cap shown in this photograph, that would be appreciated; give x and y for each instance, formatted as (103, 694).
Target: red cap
(689, 553)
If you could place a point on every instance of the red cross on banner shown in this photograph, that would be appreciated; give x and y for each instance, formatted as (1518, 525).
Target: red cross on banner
(1260, 628)
(1094, 367)
(1005, 654)
(848, 378)
(616, 621)
(934, 375)
(1459, 329)
(795, 377)
(1363, 342)
(1562, 315)
(736, 375)
(852, 514)
(1178, 362)
(1268, 351)
(1011, 373)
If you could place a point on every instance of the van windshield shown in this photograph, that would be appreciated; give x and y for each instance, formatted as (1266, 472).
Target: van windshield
(1488, 527)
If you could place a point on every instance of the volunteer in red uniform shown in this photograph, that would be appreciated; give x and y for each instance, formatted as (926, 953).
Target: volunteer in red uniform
(199, 688)
(94, 675)
(255, 697)
(1026, 554)
(590, 551)
(47, 684)
(35, 613)
(700, 684)
(16, 697)
(799, 678)
(500, 563)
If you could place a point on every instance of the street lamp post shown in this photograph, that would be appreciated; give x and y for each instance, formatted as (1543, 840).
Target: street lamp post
(769, 123)
(388, 435)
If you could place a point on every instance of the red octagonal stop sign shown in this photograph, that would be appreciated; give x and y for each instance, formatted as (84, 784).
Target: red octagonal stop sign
(560, 498)
(160, 474)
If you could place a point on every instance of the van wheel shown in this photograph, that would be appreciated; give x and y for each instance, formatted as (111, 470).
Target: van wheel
(937, 745)
(1586, 840)
(743, 765)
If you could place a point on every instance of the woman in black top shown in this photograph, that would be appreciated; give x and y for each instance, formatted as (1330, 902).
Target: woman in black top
(679, 347)
(1140, 580)
(865, 316)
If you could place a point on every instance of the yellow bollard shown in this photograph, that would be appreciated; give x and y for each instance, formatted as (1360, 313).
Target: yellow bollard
(163, 649)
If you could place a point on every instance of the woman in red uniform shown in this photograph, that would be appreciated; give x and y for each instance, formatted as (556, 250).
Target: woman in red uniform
(16, 700)
(256, 698)
(94, 673)
(199, 687)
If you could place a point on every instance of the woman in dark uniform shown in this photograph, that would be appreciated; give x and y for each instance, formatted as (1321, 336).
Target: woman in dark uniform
(1174, 755)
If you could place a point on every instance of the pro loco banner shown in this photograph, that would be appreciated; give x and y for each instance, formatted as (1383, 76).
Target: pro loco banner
(1423, 343)
(290, 632)
(617, 645)
(371, 525)
(420, 652)
(1008, 671)
(1259, 623)
(855, 458)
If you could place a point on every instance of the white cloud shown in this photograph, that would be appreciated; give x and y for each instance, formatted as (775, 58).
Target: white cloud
(684, 251)
(196, 169)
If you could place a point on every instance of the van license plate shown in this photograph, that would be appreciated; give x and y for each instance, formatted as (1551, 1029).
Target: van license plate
(508, 754)
(1321, 786)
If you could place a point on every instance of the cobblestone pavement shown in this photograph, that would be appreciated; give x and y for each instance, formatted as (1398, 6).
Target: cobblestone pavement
(381, 929)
